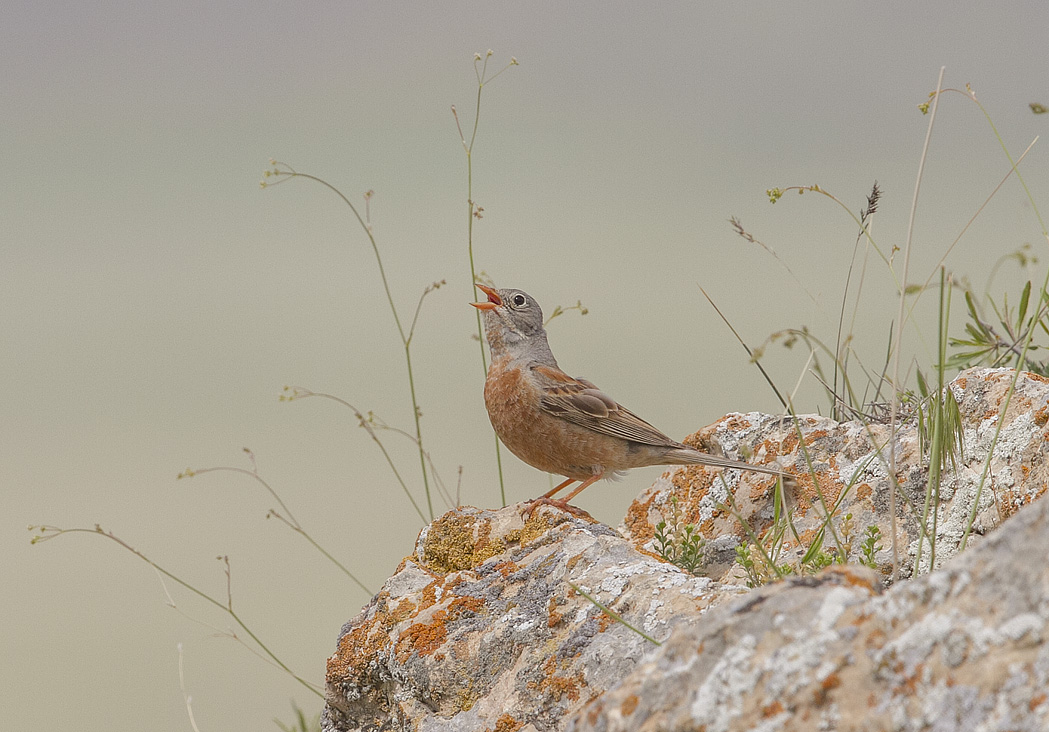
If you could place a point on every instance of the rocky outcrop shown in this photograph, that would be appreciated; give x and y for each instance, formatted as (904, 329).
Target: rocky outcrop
(841, 470)
(963, 648)
(481, 627)
(495, 622)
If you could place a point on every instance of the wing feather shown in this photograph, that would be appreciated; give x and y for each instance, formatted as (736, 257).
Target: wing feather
(581, 402)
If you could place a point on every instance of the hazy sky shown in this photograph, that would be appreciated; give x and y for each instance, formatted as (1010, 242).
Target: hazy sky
(154, 300)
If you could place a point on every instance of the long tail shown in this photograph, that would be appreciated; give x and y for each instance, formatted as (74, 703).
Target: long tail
(688, 456)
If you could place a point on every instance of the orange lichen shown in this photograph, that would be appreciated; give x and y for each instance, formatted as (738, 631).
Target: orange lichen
(424, 639)
(829, 683)
(507, 568)
(553, 616)
(629, 705)
(402, 611)
(506, 723)
(864, 491)
(637, 517)
(558, 686)
(772, 710)
(361, 645)
(1041, 416)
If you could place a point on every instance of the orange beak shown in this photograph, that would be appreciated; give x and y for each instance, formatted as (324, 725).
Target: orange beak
(494, 300)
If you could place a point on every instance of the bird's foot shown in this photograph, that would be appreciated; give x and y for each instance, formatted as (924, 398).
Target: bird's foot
(559, 503)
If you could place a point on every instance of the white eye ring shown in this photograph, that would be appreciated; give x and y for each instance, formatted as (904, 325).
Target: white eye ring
(519, 300)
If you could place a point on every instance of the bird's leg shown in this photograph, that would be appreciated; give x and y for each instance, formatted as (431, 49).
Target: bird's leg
(562, 503)
(582, 487)
(550, 493)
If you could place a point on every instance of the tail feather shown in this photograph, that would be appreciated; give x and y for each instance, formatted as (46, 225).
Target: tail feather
(688, 456)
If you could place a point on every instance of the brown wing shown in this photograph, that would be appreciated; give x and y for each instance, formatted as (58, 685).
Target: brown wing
(580, 402)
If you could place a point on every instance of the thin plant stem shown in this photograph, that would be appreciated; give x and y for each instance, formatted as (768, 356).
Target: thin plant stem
(473, 212)
(286, 172)
(288, 520)
(52, 532)
(299, 393)
(936, 441)
(612, 613)
(894, 409)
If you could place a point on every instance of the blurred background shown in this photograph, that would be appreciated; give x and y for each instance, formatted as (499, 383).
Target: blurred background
(154, 300)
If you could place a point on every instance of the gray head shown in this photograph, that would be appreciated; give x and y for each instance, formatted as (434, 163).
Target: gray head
(513, 325)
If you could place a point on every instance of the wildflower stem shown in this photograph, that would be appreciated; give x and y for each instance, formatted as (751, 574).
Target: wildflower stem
(405, 337)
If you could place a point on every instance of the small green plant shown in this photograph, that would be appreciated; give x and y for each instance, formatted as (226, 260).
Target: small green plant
(746, 561)
(989, 345)
(870, 546)
(679, 543)
(685, 549)
(757, 566)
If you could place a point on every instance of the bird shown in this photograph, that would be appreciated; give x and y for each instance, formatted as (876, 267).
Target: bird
(562, 424)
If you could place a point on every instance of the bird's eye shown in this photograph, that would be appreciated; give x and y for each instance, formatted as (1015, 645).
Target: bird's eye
(519, 300)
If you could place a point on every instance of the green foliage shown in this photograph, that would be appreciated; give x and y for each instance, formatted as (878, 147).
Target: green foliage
(870, 546)
(678, 542)
(987, 344)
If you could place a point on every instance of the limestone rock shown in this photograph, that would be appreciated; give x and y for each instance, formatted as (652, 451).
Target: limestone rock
(485, 626)
(849, 476)
(481, 629)
(963, 648)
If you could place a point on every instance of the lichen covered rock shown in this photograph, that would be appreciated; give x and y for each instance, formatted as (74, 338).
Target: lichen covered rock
(487, 625)
(841, 468)
(482, 629)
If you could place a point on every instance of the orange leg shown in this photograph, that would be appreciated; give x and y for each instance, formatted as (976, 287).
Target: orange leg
(551, 492)
(581, 487)
(562, 503)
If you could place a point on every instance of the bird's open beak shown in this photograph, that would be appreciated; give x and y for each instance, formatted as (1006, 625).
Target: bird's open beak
(494, 300)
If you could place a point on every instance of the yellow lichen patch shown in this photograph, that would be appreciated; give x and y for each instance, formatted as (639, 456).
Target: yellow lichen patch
(467, 698)
(513, 536)
(456, 541)
(534, 527)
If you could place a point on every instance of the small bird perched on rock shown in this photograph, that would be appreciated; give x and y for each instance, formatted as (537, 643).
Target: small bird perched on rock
(560, 424)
